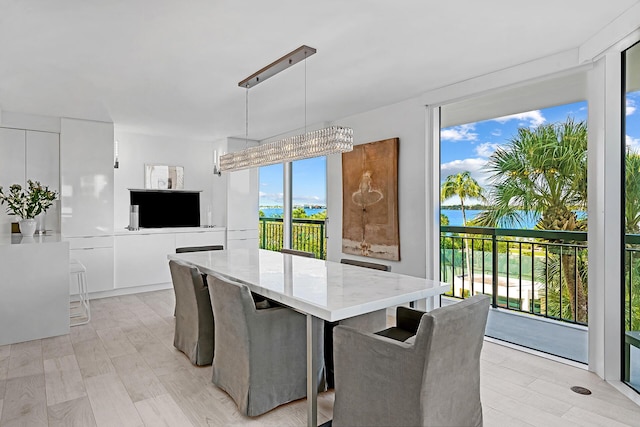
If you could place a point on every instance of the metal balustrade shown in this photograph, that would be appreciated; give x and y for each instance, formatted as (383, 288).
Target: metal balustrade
(538, 272)
(306, 234)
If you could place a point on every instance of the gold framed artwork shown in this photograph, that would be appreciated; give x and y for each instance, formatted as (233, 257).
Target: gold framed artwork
(370, 200)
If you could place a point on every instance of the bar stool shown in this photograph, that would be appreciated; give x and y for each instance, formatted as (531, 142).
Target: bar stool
(79, 310)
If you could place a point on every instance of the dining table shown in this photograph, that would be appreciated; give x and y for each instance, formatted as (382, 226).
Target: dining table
(321, 290)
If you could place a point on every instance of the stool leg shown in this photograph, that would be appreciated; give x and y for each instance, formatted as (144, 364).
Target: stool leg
(83, 299)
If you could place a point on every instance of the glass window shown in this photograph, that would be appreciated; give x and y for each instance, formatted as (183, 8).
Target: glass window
(309, 194)
(631, 285)
(514, 217)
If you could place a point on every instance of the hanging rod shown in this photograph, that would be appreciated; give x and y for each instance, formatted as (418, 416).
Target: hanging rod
(278, 65)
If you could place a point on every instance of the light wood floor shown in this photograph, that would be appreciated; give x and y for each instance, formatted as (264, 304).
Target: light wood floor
(122, 370)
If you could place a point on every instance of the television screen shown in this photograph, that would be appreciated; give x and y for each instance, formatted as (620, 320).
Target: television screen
(167, 208)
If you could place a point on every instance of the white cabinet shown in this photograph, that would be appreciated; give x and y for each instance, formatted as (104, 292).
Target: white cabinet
(86, 160)
(202, 238)
(34, 299)
(245, 239)
(30, 155)
(242, 200)
(96, 254)
(141, 259)
(141, 256)
(12, 157)
(43, 158)
(242, 209)
(43, 164)
(12, 160)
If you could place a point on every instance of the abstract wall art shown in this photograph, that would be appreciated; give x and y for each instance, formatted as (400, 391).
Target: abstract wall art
(370, 200)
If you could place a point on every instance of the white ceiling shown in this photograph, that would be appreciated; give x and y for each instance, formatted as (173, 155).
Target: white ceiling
(172, 67)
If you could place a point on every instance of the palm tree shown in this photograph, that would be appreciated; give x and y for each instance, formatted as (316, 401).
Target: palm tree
(632, 226)
(543, 171)
(632, 193)
(463, 186)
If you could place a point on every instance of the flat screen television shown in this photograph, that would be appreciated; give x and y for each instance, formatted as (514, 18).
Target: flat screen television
(167, 208)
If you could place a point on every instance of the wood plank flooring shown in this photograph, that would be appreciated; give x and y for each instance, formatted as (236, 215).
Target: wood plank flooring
(121, 370)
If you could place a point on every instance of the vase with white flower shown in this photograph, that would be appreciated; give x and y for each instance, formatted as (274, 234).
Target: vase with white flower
(27, 203)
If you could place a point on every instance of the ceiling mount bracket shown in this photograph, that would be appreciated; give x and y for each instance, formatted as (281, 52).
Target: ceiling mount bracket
(278, 65)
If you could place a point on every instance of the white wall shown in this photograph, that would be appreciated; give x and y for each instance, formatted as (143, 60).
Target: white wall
(406, 121)
(196, 156)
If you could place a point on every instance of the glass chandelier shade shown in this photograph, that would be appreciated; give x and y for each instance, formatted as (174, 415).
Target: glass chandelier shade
(330, 140)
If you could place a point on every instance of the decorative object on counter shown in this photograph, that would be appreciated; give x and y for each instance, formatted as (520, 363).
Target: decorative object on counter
(333, 139)
(216, 163)
(162, 177)
(116, 162)
(370, 200)
(134, 217)
(28, 203)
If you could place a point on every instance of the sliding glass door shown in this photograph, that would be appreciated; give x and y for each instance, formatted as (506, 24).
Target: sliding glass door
(631, 285)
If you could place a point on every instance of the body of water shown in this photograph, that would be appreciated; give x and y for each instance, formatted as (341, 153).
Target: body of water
(530, 221)
(455, 218)
(277, 212)
(454, 215)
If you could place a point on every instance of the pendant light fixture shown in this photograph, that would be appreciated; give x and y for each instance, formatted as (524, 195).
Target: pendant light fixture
(330, 140)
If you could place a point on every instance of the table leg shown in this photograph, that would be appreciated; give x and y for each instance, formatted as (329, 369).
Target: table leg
(312, 370)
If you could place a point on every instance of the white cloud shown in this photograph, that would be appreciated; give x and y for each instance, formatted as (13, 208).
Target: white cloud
(630, 106)
(475, 166)
(459, 133)
(308, 200)
(633, 144)
(534, 118)
(497, 132)
(271, 198)
(486, 149)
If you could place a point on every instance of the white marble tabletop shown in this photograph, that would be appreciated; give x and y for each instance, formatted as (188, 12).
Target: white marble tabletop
(324, 289)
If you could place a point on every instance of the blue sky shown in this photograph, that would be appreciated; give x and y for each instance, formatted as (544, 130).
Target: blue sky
(309, 183)
(467, 147)
(464, 147)
(633, 121)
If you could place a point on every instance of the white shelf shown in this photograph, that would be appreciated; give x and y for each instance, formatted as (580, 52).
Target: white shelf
(169, 230)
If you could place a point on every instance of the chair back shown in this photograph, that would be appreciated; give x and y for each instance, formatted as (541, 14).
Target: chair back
(452, 338)
(194, 316)
(232, 304)
(299, 253)
(375, 266)
(199, 248)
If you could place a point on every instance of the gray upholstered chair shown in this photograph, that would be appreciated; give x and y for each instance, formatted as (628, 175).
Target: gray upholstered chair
(369, 322)
(297, 252)
(194, 335)
(260, 358)
(374, 265)
(199, 248)
(407, 323)
(433, 380)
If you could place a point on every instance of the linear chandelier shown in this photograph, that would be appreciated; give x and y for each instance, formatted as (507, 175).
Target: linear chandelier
(330, 140)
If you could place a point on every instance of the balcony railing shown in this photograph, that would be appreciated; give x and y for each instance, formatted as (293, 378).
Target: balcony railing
(632, 282)
(306, 235)
(537, 272)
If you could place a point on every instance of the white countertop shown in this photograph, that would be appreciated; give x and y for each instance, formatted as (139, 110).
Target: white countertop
(167, 230)
(328, 290)
(19, 239)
